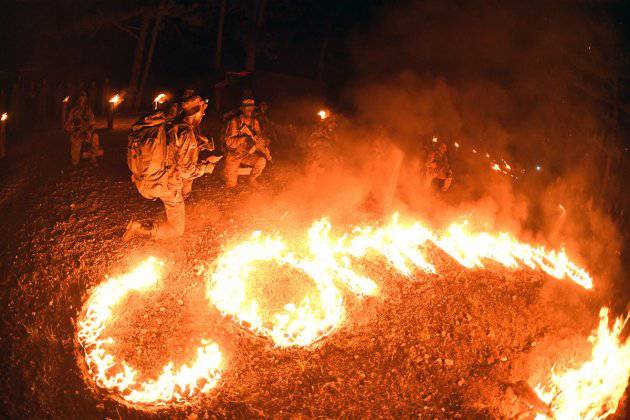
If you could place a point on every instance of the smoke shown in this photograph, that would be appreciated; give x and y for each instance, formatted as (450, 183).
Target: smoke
(528, 83)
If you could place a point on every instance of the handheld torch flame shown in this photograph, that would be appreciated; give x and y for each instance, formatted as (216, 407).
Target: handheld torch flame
(160, 99)
(4, 117)
(115, 100)
(66, 99)
(322, 114)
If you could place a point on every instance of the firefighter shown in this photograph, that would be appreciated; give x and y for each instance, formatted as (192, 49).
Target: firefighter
(181, 160)
(80, 124)
(246, 145)
(321, 144)
(439, 168)
(267, 126)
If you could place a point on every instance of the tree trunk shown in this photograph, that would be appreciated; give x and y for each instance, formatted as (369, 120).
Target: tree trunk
(147, 65)
(137, 58)
(219, 50)
(252, 43)
(322, 60)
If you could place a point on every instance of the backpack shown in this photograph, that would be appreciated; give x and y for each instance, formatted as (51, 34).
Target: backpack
(147, 154)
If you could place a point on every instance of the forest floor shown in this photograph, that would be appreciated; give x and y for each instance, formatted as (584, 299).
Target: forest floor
(436, 346)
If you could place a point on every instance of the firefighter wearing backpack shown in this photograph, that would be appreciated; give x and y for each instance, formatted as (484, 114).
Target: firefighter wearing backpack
(163, 158)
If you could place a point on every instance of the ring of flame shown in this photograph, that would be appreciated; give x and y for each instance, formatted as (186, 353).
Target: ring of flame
(200, 376)
(291, 327)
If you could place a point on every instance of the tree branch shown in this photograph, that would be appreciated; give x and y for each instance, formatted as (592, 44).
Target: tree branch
(126, 30)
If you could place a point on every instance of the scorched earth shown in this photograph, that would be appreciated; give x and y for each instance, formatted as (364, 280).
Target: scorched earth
(447, 344)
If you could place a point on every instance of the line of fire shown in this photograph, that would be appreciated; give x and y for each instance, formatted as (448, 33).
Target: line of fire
(314, 209)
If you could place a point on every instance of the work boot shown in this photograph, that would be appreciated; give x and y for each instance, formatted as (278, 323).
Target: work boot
(254, 184)
(135, 229)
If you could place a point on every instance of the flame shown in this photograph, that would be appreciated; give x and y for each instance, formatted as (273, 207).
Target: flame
(299, 324)
(456, 145)
(4, 117)
(200, 376)
(594, 389)
(66, 99)
(160, 99)
(115, 100)
(495, 167)
(328, 261)
(322, 114)
(332, 261)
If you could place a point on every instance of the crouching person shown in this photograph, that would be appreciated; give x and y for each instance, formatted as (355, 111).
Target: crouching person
(245, 146)
(163, 157)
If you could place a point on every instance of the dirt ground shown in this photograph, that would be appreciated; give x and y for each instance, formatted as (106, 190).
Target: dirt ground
(433, 347)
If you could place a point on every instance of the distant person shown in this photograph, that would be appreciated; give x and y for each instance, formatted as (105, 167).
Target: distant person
(322, 144)
(80, 124)
(266, 124)
(439, 168)
(246, 145)
(163, 154)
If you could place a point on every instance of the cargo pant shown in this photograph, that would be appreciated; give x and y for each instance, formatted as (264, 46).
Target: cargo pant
(233, 162)
(76, 142)
(175, 223)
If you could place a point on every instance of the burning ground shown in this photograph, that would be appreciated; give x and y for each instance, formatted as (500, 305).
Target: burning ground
(438, 345)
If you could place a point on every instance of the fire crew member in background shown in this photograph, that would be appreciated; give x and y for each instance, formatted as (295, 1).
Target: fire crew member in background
(321, 144)
(268, 126)
(181, 159)
(439, 168)
(246, 145)
(80, 124)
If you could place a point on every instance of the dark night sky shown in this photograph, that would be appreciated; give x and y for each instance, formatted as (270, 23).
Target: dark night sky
(40, 38)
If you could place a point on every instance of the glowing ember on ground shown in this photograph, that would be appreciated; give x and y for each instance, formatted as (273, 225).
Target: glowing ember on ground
(200, 376)
(593, 389)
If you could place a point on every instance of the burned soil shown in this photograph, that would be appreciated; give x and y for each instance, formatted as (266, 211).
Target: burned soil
(430, 346)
